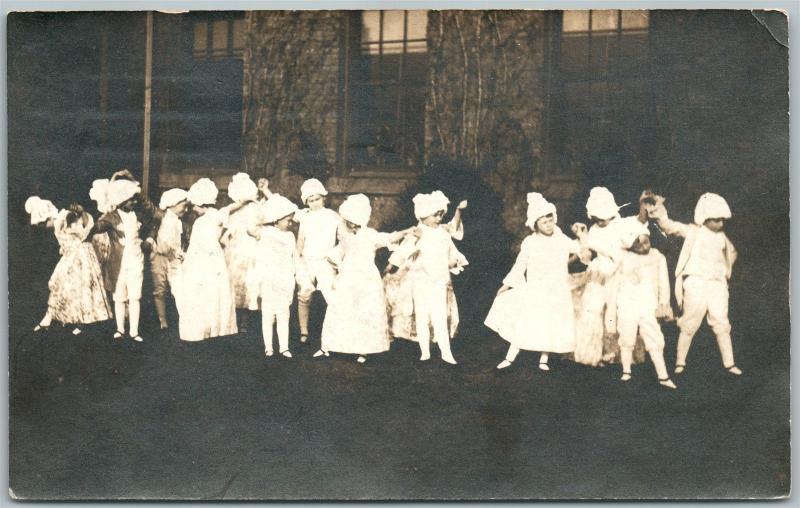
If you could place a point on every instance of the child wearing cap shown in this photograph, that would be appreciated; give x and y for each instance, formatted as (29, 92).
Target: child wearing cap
(275, 272)
(316, 238)
(533, 309)
(239, 246)
(206, 301)
(702, 273)
(168, 253)
(356, 321)
(596, 325)
(642, 299)
(398, 287)
(77, 295)
(429, 266)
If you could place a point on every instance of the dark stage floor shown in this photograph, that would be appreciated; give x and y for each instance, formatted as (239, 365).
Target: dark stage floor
(92, 417)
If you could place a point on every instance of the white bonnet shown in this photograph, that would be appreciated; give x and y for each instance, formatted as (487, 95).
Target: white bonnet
(311, 187)
(711, 206)
(203, 192)
(426, 205)
(276, 208)
(40, 209)
(630, 230)
(538, 207)
(440, 198)
(601, 204)
(242, 188)
(120, 191)
(172, 197)
(99, 194)
(356, 209)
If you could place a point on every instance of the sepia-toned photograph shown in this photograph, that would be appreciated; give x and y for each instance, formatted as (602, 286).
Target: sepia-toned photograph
(398, 255)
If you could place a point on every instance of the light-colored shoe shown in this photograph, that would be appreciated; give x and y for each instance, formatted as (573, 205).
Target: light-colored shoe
(138, 338)
(544, 367)
(733, 369)
(119, 335)
(626, 376)
(450, 360)
(361, 359)
(424, 357)
(286, 354)
(76, 331)
(504, 364)
(321, 353)
(667, 383)
(303, 339)
(679, 369)
(268, 352)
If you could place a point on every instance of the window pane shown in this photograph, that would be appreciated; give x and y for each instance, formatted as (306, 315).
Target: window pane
(417, 47)
(220, 36)
(370, 26)
(604, 19)
(393, 25)
(392, 48)
(238, 34)
(418, 24)
(604, 52)
(576, 21)
(635, 19)
(200, 36)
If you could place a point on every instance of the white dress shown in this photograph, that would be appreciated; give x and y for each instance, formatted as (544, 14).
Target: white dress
(275, 271)
(206, 301)
(356, 320)
(537, 313)
(240, 249)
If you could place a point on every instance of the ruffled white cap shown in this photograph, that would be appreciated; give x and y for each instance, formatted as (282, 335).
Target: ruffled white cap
(441, 199)
(311, 187)
(203, 192)
(426, 205)
(538, 207)
(242, 188)
(172, 197)
(276, 208)
(40, 209)
(601, 204)
(630, 230)
(120, 191)
(99, 194)
(711, 206)
(356, 209)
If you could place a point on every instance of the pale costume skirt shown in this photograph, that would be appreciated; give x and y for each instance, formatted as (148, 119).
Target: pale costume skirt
(205, 298)
(239, 255)
(77, 292)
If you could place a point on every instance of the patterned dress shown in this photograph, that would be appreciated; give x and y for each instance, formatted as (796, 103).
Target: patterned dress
(356, 321)
(77, 293)
(240, 250)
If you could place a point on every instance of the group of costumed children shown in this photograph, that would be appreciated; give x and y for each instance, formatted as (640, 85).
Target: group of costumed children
(244, 257)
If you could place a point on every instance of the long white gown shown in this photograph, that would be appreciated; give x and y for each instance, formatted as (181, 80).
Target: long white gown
(207, 300)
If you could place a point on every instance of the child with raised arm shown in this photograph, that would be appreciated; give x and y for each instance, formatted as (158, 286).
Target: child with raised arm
(702, 273)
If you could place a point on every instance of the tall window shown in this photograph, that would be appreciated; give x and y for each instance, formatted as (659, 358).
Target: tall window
(603, 112)
(211, 91)
(386, 73)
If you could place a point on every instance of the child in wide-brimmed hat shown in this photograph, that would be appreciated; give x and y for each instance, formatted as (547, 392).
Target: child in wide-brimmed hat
(702, 273)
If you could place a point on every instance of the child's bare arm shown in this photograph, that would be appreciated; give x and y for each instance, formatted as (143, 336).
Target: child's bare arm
(658, 212)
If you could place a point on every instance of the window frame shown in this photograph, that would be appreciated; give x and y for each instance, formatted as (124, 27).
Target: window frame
(350, 46)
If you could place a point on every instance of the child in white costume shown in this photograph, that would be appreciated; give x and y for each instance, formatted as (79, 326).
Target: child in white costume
(642, 298)
(77, 295)
(206, 297)
(356, 321)
(315, 240)
(533, 309)
(596, 325)
(125, 265)
(239, 246)
(99, 194)
(168, 254)
(702, 273)
(429, 275)
(276, 270)
(398, 287)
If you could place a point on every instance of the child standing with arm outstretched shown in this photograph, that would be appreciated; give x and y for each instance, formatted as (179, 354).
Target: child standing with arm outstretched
(702, 273)
(533, 309)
